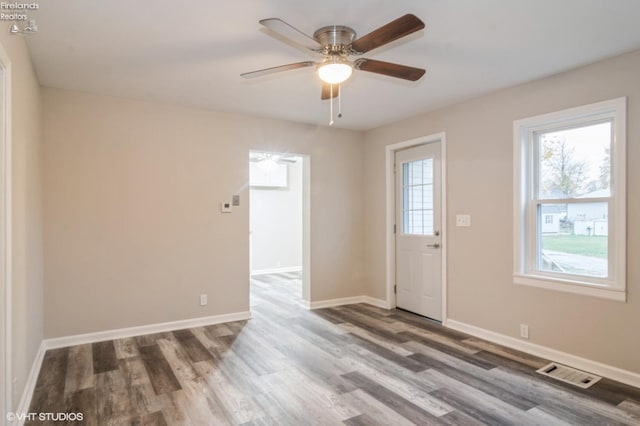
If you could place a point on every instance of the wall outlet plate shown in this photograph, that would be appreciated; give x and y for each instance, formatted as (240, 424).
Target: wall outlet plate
(225, 207)
(463, 220)
(236, 200)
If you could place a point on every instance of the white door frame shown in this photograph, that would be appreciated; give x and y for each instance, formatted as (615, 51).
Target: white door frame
(390, 151)
(6, 390)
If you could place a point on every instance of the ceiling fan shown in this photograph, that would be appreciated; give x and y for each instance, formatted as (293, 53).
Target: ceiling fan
(336, 43)
(261, 157)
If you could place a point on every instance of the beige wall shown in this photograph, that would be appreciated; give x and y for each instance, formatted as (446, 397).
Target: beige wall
(27, 282)
(133, 229)
(479, 160)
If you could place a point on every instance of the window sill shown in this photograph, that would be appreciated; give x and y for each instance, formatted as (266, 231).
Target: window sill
(570, 287)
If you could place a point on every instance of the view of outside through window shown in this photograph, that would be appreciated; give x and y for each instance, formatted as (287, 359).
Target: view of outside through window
(417, 197)
(574, 168)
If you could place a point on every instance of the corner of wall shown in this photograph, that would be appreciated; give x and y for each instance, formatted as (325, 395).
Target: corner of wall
(26, 241)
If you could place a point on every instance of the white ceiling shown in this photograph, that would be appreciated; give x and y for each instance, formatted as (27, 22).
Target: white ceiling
(192, 52)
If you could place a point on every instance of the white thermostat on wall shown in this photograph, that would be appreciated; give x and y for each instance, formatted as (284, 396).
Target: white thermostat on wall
(225, 207)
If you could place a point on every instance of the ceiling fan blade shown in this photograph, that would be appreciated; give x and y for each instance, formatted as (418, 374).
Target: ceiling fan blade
(394, 30)
(272, 70)
(290, 32)
(277, 160)
(326, 91)
(387, 68)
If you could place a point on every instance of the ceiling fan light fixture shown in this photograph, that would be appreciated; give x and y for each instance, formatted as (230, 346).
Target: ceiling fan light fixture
(335, 72)
(268, 162)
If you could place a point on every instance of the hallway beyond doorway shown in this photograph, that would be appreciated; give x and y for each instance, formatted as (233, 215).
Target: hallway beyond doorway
(283, 289)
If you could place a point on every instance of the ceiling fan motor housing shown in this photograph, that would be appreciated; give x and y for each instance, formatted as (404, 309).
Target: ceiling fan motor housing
(335, 39)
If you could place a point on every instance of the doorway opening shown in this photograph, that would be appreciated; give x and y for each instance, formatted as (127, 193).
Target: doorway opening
(416, 226)
(278, 228)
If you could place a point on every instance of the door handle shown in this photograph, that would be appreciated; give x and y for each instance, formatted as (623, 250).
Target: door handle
(435, 246)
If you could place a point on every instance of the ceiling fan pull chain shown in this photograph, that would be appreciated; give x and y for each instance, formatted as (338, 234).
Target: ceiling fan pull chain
(331, 105)
(339, 100)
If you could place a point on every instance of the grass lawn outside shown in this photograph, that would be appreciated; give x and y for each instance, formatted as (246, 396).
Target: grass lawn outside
(584, 245)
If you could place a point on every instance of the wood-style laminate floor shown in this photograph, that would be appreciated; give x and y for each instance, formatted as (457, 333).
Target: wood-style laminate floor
(353, 365)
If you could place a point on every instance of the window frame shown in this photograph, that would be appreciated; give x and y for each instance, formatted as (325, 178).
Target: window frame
(526, 200)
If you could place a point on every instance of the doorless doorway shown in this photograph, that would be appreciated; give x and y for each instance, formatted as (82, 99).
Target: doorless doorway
(279, 224)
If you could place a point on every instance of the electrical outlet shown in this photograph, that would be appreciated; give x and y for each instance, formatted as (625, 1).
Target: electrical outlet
(524, 331)
(203, 300)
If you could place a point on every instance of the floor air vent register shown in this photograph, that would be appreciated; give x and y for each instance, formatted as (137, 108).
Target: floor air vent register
(569, 375)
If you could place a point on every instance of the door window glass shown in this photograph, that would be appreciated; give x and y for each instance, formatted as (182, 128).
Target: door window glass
(417, 197)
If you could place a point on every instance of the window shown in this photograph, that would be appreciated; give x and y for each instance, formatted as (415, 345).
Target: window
(417, 199)
(570, 223)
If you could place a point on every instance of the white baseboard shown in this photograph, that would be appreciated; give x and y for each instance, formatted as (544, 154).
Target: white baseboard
(80, 339)
(609, 371)
(379, 303)
(30, 385)
(319, 304)
(276, 270)
(306, 304)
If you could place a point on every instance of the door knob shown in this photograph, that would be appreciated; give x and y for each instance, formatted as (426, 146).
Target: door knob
(435, 246)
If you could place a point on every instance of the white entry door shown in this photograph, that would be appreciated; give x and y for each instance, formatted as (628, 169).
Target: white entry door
(418, 239)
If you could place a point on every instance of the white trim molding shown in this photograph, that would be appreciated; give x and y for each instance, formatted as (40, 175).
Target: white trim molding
(276, 270)
(605, 370)
(378, 303)
(30, 384)
(569, 287)
(329, 303)
(121, 333)
(6, 347)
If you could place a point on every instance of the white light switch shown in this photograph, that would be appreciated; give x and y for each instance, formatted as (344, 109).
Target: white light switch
(463, 220)
(225, 207)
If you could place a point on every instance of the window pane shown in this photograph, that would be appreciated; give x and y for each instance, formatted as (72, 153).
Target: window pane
(575, 241)
(416, 173)
(575, 162)
(417, 197)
